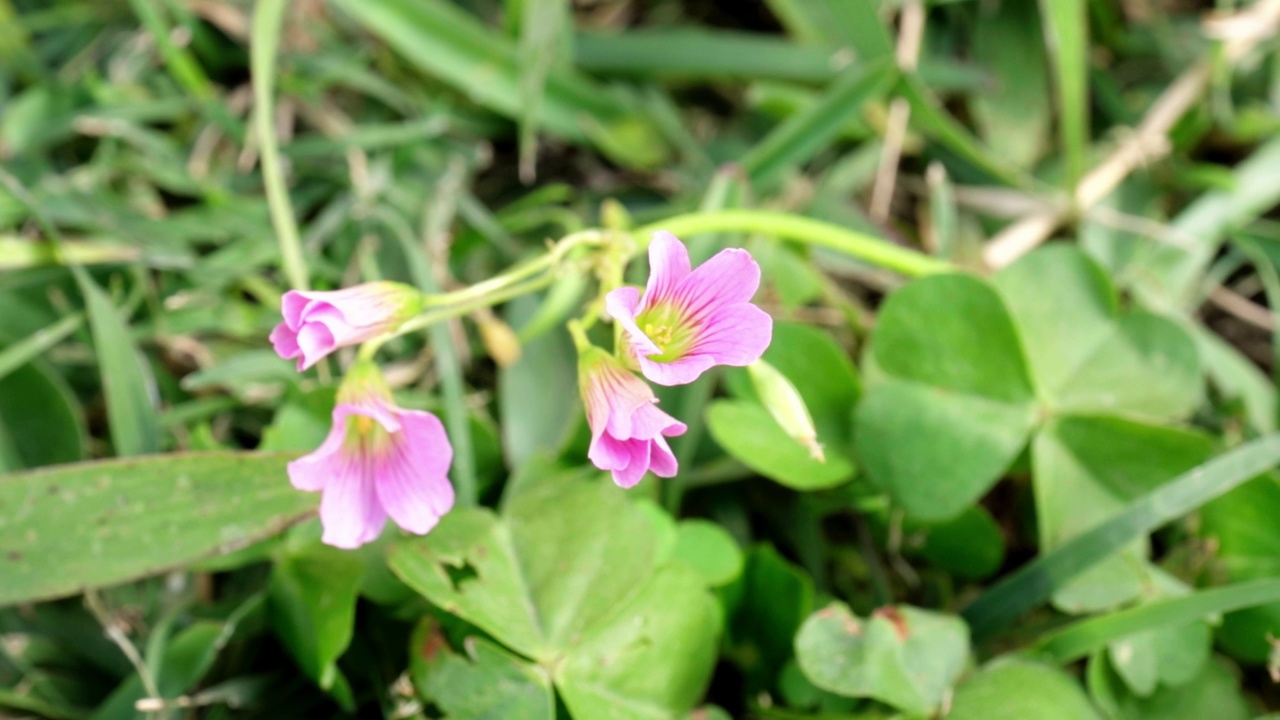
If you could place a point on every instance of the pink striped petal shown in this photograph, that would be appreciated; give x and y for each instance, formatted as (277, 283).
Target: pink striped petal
(668, 266)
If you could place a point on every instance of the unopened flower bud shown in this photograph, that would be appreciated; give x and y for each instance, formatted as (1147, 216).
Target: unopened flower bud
(784, 403)
(498, 339)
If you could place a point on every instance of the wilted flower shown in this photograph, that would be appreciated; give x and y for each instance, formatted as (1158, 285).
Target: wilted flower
(379, 461)
(691, 320)
(628, 431)
(317, 323)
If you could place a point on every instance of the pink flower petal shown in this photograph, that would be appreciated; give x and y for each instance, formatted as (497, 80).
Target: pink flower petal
(622, 305)
(728, 278)
(668, 265)
(349, 509)
(735, 335)
(648, 422)
(285, 342)
(677, 372)
(639, 464)
(315, 341)
(662, 462)
(609, 453)
(413, 482)
(292, 305)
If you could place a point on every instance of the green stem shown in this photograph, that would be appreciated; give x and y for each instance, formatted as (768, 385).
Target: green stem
(545, 262)
(869, 248)
(268, 20)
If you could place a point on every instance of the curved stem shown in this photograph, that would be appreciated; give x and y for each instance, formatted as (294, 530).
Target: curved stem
(544, 262)
(869, 248)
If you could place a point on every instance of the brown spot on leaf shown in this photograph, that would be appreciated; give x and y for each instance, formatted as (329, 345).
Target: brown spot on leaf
(13, 556)
(53, 489)
(433, 643)
(894, 616)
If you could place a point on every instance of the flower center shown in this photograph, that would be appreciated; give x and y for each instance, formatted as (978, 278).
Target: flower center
(366, 435)
(668, 330)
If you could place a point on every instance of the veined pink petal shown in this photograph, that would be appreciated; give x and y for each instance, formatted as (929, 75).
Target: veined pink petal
(314, 341)
(736, 335)
(627, 428)
(638, 465)
(728, 278)
(662, 462)
(622, 304)
(413, 484)
(349, 509)
(668, 266)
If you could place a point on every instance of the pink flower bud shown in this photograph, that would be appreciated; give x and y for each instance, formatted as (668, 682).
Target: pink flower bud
(317, 323)
(628, 431)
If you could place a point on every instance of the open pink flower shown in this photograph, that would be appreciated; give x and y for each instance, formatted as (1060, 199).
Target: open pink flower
(691, 320)
(628, 431)
(317, 323)
(379, 461)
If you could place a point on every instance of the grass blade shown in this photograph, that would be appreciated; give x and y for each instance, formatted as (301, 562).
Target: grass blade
(1033, 583)
(1079, 639)
(804, 134)
(268, 21)
(690, 52)
(543, 26)
(126, 378)
(1066, 34)
(32, 346)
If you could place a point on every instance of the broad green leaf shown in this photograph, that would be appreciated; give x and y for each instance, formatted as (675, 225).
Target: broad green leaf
(40, 421)
(1086, 470)
(971, 545)
(1169, 656)
(957, 403)
(1019, 689)
(109, 522)
(767, 605)
(1013, 117)
(692, 52)
(1085, 355)
(750, 434)
(126, 377)
(655, 656)
(952, 332)
(901, 656)
(709, 549)
(1215, 693)
(312, 597)
(482, 682)
(605, 623)
(1033, 583)
(538, 396)
(1241, 524)
(937, 452)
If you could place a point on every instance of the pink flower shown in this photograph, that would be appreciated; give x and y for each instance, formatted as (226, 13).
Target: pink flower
(628, 431)
(317, 323)
(689, 321)
(379, 461)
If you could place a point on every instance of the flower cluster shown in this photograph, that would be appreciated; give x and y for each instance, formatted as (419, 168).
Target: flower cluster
(382, 461)
(686, 322)
(379, 461)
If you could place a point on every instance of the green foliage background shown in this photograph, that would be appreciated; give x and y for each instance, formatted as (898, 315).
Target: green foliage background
(1021, 258)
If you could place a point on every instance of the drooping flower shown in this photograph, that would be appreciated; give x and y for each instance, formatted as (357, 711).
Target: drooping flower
(628, 431)
(378, 461)
(688, 321)
(318, 322)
